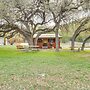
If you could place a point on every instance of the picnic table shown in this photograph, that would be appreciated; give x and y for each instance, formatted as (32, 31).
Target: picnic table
(26, 47)
(34, 47)
(22, 45)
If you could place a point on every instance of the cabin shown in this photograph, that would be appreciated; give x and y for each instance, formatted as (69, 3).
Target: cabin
(46, 41)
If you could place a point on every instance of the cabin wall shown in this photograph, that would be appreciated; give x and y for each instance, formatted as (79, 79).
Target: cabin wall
(47, 43)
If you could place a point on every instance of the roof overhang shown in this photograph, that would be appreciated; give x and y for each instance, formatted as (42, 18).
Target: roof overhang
(46, 36)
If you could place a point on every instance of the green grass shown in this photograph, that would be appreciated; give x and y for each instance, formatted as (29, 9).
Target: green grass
(44, 70)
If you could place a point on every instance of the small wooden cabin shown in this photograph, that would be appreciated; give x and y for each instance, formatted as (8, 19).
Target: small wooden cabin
(47, 41)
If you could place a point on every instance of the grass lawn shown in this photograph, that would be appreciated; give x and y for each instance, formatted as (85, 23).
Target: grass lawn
(44, 70)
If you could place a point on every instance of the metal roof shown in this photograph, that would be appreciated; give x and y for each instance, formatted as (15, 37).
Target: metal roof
(47, 36)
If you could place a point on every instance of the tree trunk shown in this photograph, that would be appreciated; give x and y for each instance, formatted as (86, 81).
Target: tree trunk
(36, 39)
(4, 40)
(72, 43)
(83, 45)
(57, 40)
(30, 40)
(73, 39)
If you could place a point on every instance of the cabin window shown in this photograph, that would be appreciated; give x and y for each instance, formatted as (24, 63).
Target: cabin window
(39, 40)
(45, 45)
(50, 40)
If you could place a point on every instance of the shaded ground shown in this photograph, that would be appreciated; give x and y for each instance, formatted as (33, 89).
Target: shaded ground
(44, 70)
(77, 45)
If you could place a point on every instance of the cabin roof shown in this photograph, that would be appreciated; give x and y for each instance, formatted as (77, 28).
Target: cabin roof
(47, 36)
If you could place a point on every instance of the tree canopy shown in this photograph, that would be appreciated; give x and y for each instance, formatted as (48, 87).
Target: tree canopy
(29, 17)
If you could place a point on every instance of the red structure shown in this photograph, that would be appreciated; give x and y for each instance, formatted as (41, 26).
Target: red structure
(47, 41)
